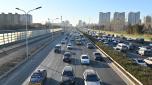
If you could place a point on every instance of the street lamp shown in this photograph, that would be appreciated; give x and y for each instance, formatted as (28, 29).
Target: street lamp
(52, 25)
(26, 14)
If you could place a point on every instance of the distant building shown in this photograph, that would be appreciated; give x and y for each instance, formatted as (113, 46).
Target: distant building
(23, 19)
(81, 23)
(148, 21)
(118, 22)
(148, 24)
(133, 18)
(14, 19)
(104, 20)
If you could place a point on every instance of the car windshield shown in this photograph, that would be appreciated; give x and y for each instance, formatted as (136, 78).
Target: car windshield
(67, 73)
(67, 54)
(97, 54)
(36, 75)
(84, 57)
(140, 61)
(92, 77)
(90, 44)
(69, 44)
(57, 47)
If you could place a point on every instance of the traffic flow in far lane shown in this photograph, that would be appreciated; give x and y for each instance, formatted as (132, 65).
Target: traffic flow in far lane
(74, 61)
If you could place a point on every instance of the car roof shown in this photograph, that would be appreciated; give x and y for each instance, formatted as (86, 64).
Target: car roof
(122, 44)
(90, 71)
(96, 52)
(67, 68)
(39, 70)
(67, 53)
(58, 45)
(89, 43)
(69, 44)
(84, 55)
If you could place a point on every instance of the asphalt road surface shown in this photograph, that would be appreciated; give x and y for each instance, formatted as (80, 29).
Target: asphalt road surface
(52, 62)
(54, 65)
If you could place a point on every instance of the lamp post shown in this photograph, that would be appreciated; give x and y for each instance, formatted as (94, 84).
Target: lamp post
(52, 25)
(26, 15)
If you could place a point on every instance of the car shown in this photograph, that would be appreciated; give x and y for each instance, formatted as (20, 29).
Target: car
(72, 39)
(122, 47)
(78, 42)
(63, 41)
(66, 37)
(38, 77)
(67, 57)
(90, 46)
(97, 56)
(91, 77)
(83, 39)
(145, 51)
(67, 76)
(130, 46)
(148, 61)
(57, 48)
(69, 46)
(139, 61)
(140, 40)
(85, 59)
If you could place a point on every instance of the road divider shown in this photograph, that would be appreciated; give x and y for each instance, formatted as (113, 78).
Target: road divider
(129, 78)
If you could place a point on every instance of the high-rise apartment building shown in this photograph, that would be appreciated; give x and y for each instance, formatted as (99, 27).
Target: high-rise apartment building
(104, 19)
(118, 22)
(14, 19)
(148, 21)
(23, 19)
(133, 18)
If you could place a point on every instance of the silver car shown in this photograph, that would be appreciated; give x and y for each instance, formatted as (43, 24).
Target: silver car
(91, 77)
(68, 77)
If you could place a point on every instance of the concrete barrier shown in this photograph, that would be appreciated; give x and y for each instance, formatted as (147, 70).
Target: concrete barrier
(132, 79)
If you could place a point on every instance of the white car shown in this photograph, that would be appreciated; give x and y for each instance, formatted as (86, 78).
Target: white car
(148, 61)
(145, 51)
(140, 62)
(122, 47)
(69, 46)
(91, 77)
(85, 59)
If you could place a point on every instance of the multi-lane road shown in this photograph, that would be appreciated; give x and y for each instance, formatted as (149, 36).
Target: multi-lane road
(54, 64)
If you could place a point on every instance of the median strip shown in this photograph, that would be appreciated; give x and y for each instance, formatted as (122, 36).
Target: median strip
(137, 74)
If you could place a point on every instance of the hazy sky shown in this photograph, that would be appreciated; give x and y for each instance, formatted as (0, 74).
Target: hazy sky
(74, 10)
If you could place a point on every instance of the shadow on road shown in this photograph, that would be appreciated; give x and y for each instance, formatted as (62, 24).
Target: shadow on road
(75, 49)
(75, 61)
(79, 81)
(51, 81)
(104, 83)
(98, 64)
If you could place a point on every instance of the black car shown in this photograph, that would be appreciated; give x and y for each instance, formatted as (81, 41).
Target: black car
(67, 57)
(57, 48)
(97, 56)
(140, 40)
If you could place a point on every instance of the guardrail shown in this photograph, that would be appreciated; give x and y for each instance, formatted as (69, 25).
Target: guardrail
(131, 77)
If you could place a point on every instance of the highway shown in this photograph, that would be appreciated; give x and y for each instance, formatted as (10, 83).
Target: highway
(53, 63)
